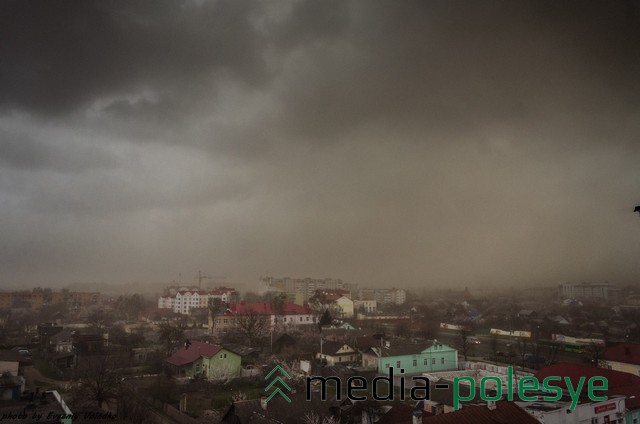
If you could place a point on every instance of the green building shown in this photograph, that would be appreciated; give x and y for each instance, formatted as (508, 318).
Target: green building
(415, 358)
(211, 361)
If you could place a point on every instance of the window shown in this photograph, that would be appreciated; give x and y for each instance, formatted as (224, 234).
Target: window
(442, 361)
(386, 365)
(433, 361)
(398, 364)
(426, 362)
(415, 363)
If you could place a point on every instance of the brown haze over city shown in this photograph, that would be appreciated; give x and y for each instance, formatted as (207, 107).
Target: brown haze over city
(410, 144)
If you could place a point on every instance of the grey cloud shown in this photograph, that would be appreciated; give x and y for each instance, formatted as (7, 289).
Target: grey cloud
(24, 152)
(60, 56)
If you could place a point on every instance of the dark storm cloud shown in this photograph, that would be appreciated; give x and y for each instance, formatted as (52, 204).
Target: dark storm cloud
(58, 56)
(386, 143)
(457, 67)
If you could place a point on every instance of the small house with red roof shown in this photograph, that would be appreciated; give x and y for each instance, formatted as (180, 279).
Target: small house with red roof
(623, 357)
(206, 360)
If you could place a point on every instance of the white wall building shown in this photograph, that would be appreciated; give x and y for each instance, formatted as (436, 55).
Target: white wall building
(184, 300)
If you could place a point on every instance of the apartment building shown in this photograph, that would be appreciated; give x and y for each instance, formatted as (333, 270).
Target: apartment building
(304, 288)
(589, 291)
(185, 299)
(383, 296)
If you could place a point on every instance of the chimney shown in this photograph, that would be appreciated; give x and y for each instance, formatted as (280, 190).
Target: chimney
(491, 404)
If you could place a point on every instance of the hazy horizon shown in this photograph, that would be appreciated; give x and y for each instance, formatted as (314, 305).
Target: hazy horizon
(406, 144)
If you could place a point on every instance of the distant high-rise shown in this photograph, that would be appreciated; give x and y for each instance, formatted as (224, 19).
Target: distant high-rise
(305, 287)
(589, 291)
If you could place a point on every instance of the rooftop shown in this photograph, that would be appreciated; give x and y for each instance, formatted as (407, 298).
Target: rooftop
(192, 352)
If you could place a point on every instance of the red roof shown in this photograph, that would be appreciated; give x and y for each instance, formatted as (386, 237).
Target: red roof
(620, 383)
(187, 355)
(243, 308)
(629, 353)
(505, 412)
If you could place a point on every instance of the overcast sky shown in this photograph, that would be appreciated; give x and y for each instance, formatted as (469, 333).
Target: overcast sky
(387, 143)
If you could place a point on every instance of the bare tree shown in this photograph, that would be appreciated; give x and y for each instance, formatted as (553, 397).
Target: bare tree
(252, 326)
(171, 336)
(96, 379)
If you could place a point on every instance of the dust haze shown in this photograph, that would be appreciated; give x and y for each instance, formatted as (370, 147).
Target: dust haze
(408, 144)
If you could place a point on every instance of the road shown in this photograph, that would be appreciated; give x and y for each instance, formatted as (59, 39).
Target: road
(484, 349)
(31, 374)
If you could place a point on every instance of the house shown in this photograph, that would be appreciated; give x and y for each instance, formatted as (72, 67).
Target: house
(623, 357)
(345, 306)
(289, 315)
(198, 359)
(10, 362)
(332, 353)
(415, 359)
(492, 413)
(365, 306)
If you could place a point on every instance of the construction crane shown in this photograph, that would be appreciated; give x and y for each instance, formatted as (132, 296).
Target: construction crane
(201, 277)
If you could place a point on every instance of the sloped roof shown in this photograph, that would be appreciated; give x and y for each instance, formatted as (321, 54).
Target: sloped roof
(243, 308)
(61, 336)
(629, 353)
(505, 413)
(331, 348)
(188, 354)
(405, 349)
(619, 383)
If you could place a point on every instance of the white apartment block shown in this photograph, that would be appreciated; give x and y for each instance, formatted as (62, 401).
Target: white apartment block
(184, 300)
(383, 296)
(588, 291)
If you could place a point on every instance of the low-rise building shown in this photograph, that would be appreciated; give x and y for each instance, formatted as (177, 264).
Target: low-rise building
(332, 353)
(206, 360)
(288, 316)
(416, 359)
(183, 300)
(365, 306)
